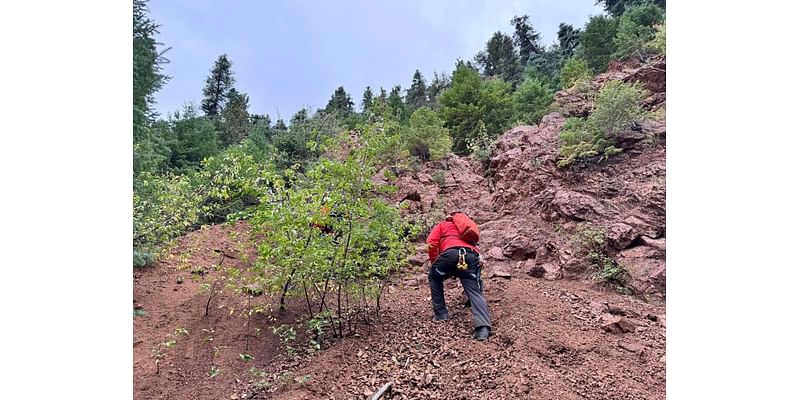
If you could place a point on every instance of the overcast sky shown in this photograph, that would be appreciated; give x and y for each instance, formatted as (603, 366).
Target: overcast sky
(292, 54)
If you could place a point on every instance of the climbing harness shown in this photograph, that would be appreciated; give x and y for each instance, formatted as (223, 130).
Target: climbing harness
(462, 262)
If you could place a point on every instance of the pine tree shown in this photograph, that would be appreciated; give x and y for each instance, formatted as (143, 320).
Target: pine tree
(366, 100)
(469, 100)
(194, 138)
(617, 7)
(597, 42)
(395, 103)
(218, 85)
(568, 39)
(526, 38)
(299, 118)
(499, 58)
(147, 60)
(340, 103)
(280, 125)
(417, 94)
(260, 119)
(235, 118)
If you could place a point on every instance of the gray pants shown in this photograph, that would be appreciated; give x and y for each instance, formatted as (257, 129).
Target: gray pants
(444, 267)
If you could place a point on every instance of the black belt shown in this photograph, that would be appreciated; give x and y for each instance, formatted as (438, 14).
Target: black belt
(469, 249)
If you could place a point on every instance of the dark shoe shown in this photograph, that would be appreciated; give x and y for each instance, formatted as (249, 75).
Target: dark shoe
(441, 318)
(481, 333)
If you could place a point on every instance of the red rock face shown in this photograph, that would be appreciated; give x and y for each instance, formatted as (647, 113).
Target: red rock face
(528, 209)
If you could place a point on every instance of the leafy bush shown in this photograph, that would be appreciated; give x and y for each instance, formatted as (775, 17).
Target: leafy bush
(425, 137)
(590, 243)
(300, 143)
(164, 207)
(579, 139)
(532, 100)
(574, 69)
(659, 42)
(142, 258)
(329, 239)
(616, 108)
(469, 100)
(231, 182)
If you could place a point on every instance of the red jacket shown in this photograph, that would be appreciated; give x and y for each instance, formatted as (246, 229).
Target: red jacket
(444, 236)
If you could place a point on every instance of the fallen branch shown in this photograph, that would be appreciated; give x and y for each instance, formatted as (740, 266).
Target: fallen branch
(381, 391)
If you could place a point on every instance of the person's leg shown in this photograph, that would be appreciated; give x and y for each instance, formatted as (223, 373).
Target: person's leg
(439, 271)
(471, 281)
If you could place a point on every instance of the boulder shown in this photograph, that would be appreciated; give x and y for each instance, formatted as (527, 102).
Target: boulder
(496, 253)
(616, 325)
(577, 206)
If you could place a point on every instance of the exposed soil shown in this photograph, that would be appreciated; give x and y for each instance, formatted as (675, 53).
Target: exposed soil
(548, 341)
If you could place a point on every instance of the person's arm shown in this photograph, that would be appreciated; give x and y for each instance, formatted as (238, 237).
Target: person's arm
(433, 242)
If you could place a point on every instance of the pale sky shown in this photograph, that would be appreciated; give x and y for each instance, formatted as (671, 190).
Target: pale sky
(292, 54)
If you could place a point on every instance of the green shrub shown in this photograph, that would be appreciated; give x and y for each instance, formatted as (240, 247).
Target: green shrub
(579, 140)
(142, 258)
(531, 101)
(351, 257)
(616, 108)
(574, 69)
(590, 242)
(164, 207)
(426, 137)
(438, 177)
(231, 182)
(659, 42)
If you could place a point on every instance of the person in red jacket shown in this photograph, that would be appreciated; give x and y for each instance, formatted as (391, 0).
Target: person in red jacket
(450, 256)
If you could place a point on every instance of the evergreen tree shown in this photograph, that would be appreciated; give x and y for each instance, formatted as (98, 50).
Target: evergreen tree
(499, 58)
(299, 118)
(469, 100)
(147, 60)
(417, 94)
(546, 66)
(568, 39)
(366, 100)
(235, 118)
(636, 30)
(397, 108)
(617, 7)
(340, 103)
(260, 120)
(280, 125)
(439, 83)
(194, 138)
(526, 38)
(597, 42)
(218, 85)
(380, 102)
(532, 100)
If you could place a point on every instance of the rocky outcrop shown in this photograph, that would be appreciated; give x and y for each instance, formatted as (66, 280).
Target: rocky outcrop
(530, 212)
